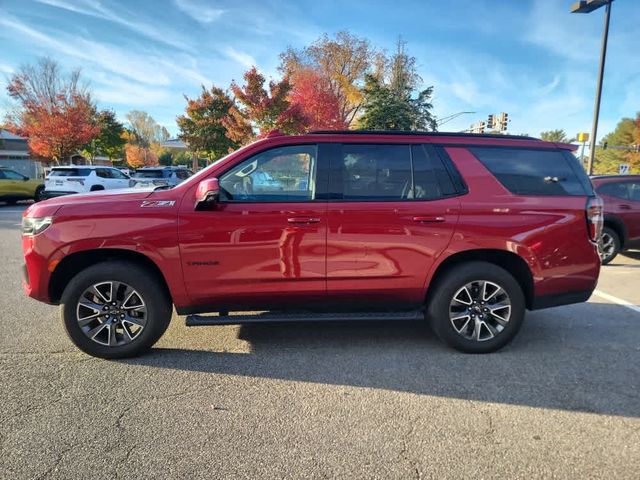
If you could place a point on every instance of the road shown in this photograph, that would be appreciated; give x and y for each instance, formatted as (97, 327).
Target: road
(374, 400)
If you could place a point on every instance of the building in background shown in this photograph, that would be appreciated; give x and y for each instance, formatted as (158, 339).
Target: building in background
(15, 154)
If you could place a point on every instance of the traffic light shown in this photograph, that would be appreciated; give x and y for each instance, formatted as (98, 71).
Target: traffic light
(482, 126)
(504, 119)
(491, 121)
(605, 145)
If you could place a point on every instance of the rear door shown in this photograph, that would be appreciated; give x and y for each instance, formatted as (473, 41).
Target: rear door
(392, 212)
(633, 210)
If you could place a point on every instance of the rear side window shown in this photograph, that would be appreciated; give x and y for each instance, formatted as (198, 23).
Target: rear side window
(70, 172)
(150, 173)
(375, 172)
(115, 173)
(535, 172)
(615, 189)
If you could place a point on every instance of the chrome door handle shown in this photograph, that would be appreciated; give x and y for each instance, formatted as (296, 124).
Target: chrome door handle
(429, 219)
(302, 220)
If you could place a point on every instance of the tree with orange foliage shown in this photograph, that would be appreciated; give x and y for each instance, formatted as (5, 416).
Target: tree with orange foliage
(138, 156)
(258, 111)
(319, 103)
(56, 114)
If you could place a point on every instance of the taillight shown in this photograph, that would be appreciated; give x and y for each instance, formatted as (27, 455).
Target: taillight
(595, 218)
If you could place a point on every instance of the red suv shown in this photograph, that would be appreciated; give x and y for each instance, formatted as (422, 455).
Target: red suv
(465, 230)
(621, 196)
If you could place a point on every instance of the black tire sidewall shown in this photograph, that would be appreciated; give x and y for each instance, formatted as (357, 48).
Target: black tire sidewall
(39, 194)
(159, 307)
(616, 244)
(456, 278)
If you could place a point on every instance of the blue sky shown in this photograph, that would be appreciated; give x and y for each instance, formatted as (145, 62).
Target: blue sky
(530, 58)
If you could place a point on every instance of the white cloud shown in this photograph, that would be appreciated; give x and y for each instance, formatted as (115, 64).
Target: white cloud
(241, 57)
(96, 56)
(94, 8)
(6, 68)
(199, 11)
(123, 92)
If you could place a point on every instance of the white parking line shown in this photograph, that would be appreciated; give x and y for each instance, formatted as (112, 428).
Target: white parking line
(617, 300)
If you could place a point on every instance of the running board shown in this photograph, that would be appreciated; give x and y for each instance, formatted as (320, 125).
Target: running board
(267, 317)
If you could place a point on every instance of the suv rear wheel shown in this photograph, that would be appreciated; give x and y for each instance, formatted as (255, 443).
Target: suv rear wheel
(609, 245)
(477, 307)
(115, 309)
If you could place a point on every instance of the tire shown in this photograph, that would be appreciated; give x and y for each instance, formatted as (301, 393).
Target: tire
(115, 337)
(95, 188)
(609, 245)
(448, 314)
(38, 196)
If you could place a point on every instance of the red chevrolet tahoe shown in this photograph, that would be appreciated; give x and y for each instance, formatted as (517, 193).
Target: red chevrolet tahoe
(464, 230)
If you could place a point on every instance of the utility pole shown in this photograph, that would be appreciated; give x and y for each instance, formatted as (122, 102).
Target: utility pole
(588, 6)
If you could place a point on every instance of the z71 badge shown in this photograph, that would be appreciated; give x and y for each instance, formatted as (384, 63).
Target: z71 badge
(157, 203)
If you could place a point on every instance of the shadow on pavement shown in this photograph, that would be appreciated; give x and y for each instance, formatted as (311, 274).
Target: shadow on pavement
(562, 359)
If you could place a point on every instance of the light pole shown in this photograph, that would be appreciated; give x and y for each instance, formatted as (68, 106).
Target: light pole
(588, 6)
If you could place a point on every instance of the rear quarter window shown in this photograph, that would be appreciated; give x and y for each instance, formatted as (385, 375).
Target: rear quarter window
(70, 172)
(535, 171)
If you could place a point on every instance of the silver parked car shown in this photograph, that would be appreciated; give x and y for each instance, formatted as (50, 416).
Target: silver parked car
(146, 177)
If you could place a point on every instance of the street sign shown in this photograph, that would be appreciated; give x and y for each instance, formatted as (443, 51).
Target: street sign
(623, 168)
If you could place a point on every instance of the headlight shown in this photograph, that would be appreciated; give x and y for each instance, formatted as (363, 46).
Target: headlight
(34, 225)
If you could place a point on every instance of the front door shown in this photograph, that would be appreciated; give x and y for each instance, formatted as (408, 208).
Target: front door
(394, 212)
(264, 244)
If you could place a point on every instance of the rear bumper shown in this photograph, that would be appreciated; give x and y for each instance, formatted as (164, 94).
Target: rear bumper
(558, 299)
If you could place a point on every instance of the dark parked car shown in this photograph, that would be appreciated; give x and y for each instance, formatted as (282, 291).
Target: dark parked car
(467, 231)
(621, 196)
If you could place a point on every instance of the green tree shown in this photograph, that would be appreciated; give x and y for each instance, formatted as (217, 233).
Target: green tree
(558, 136)
(110, 142)
(165, 158)
(202, 126)
(392, 102)
(626, 134)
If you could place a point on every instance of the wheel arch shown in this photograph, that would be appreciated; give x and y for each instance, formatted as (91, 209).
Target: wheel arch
(616, 224)
(74, 263)
(511, 262)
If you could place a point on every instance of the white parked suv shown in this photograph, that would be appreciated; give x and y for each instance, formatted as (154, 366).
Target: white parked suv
(83, 178)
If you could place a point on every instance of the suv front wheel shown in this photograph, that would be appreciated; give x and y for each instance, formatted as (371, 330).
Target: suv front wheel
(476, 307)
(115, 309)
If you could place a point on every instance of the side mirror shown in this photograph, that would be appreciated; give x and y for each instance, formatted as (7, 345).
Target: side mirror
(24, 179)
(207, 193)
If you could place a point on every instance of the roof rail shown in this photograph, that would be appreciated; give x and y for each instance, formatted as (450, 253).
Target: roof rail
(430, 134)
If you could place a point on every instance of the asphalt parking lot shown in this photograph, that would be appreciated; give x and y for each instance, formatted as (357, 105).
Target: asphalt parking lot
(374, 400)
